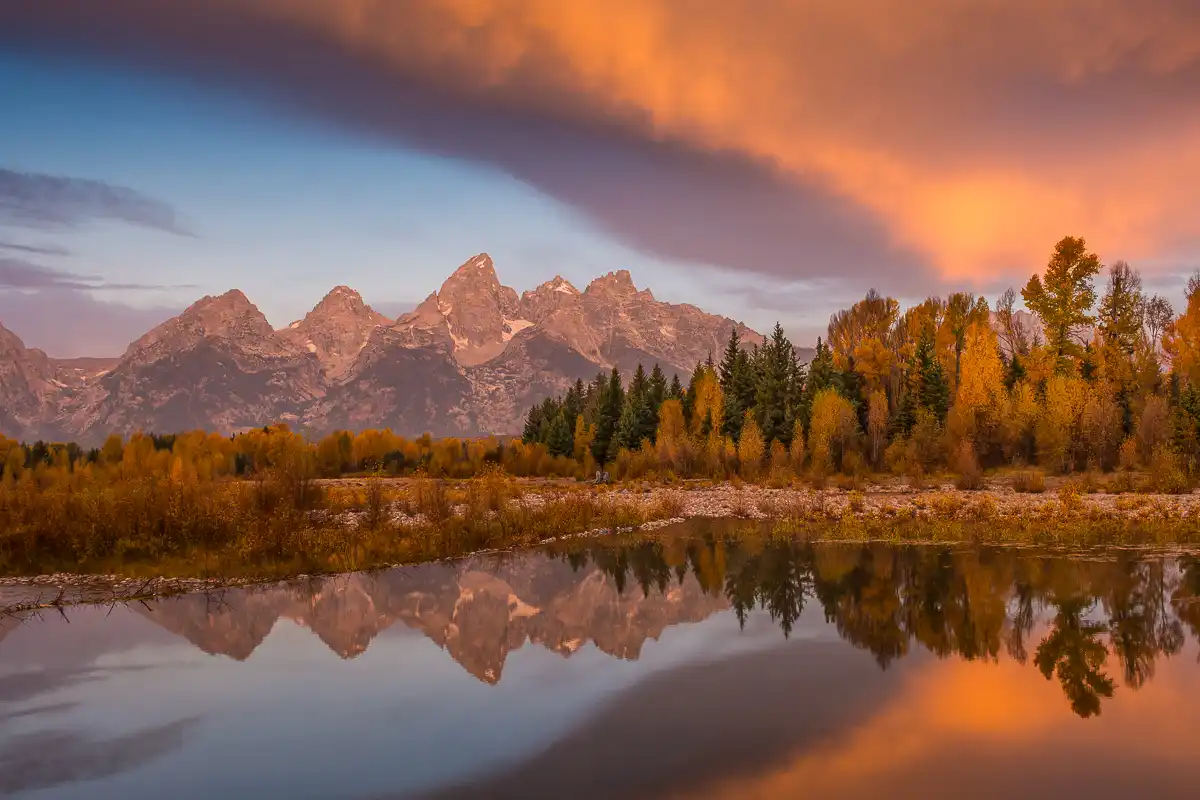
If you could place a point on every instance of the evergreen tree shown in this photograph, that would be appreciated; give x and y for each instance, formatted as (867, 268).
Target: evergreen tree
(1087, 363)
(728, 367)
(795, 399)
(689, 397)
(627, 426)
(550, 409)
(1014, 373)
(658, 388)
(925, 385)
(676, 390)
(573, 402)
(638, 416)
(639, 385)
(559, 438)
(739, 393)
(533, 425)
(612, 402)
(592, 398)
(777, 362)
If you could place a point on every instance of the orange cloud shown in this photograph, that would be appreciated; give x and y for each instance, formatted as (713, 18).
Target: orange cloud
(974, 134)
(979, 133)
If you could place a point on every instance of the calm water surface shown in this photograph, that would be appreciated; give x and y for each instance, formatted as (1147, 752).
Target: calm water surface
(693, 666)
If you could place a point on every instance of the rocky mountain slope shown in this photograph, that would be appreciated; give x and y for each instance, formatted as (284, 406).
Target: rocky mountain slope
(336, 330)
(26, 384)
(469, 360)
(218, 366)
(478, 611)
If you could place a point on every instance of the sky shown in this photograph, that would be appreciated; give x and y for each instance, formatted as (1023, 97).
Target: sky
(767, 161)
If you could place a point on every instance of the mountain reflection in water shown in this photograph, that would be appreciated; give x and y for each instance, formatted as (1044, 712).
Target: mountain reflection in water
(976, 655)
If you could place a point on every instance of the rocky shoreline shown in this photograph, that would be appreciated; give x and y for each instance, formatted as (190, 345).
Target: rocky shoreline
(725, 501)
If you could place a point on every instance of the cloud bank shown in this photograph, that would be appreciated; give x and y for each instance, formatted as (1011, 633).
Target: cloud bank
(920, 139)
(30, 199)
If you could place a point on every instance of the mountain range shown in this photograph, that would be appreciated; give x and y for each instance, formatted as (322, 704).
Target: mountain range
(468, 360)
(478, 610)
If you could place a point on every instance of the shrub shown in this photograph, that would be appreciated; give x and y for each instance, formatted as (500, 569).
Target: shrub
(1069, 499)
(1166, 472)
(1029, 481)
(966, 464)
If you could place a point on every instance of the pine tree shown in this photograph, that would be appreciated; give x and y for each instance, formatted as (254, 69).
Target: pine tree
(795, 399)
(676, 390)
(639, 385)
(936, 389)
(559, 440)
(776, 364)
(573, 402)
(658, 388)
(731, 374)
(592, 398)
(689, 397)
(627, 426)
(1014, 373)
(533, 425)
(550, 409)
(739, 390)
(725, 372)
(925, 385)
(638, 418)
(612, 402)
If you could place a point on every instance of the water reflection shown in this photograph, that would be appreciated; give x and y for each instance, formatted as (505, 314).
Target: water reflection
(972, 603)
(985, 648)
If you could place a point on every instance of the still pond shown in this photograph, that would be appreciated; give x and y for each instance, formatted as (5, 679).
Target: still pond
(693, 664)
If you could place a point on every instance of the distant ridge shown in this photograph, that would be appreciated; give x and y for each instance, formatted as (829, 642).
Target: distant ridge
(468, 360)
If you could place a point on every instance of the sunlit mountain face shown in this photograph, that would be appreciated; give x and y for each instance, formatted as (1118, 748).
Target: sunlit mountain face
(769, 666)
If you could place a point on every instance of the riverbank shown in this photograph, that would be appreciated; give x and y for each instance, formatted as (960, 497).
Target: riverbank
(373, 525)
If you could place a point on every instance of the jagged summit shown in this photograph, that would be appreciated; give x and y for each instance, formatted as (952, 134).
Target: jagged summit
(336, 330)
(480, 264)
(619, 282)
(342, 301)
(230, 315)
(469, 360)
(559, 284)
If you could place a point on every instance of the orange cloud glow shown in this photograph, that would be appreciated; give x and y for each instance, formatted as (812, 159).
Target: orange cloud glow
(978, 133)
(972, 135)
(1005, 713)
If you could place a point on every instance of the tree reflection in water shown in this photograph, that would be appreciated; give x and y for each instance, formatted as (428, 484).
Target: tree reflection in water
(967, 602)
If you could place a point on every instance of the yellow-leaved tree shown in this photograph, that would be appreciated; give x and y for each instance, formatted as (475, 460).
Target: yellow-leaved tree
(797, 450)
(708, 410)
(831, 431)
(1182, 340)
(1057, 430)
(670, 440)
(981, 393)
(751, 448)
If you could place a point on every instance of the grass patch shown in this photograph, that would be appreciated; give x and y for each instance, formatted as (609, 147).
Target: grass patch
(270, 529)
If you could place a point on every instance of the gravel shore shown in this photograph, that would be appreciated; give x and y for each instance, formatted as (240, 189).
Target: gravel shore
(714, 502)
